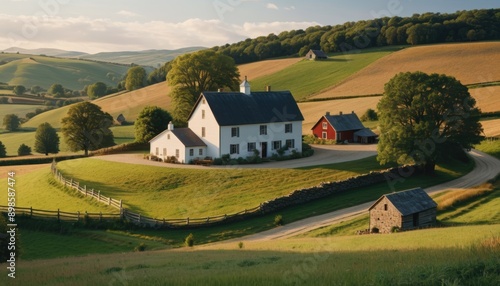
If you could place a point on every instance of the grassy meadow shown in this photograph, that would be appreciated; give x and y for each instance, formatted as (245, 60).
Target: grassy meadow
(306, 78)
(490, 146)
(18, 109)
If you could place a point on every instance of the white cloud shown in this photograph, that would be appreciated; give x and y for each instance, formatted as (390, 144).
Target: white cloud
(100, 35)
(290, 8)
(272, 6)
(127, 13)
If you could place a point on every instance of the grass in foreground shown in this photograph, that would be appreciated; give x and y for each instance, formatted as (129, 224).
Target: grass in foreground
(410, 258)
(490, 146)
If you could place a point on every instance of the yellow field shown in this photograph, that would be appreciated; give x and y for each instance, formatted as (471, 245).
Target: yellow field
(487, 98)
(263, 68)
(468, 62)
(491, 127)
(131, 103)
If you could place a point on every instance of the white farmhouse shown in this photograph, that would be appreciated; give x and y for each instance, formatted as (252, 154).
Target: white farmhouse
(234, 123)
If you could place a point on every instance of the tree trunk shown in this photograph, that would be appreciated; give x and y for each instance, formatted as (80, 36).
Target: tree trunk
(429, 167)
(86, 152)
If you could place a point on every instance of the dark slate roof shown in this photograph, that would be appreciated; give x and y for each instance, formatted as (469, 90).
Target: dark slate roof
(187, 137)
(319, 53)
(365, 133)
(345, 122)
(236, 108)
(410, 201)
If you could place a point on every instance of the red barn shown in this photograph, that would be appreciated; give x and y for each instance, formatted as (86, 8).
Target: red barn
(343, 127)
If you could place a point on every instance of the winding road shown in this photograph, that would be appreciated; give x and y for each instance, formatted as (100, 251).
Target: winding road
(487, 167)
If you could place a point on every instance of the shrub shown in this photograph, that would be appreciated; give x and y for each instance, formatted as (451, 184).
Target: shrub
(240, 244)
(141, 247)
(278, 220)
(23, 150)
(189, 240)
(395, 229)
(369, 115)
(3, 152)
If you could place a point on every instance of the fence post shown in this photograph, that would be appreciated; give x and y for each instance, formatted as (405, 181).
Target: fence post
(31, 212)
(99, 196)
(77, 186)
(121, 205)
(58, 215)
(139, 218)
(78, 218)
(71, 183)
(109, 201)
(92, 192)
(187, 221)
(225, 216)
(163, 222)
(208, 219)
(85, 188)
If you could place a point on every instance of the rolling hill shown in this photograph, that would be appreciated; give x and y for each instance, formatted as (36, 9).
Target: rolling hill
(469, 63)
(30, 70)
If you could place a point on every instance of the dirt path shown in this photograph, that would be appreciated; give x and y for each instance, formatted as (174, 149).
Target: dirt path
(487, 167)
(323, 154)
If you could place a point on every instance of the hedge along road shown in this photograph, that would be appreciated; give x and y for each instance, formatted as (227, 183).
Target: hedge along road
(323, 154)
(487, 167)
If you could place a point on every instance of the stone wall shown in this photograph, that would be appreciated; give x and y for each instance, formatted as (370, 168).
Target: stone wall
(325, 189)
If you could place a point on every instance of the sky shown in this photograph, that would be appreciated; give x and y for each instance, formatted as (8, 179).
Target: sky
(94, 26)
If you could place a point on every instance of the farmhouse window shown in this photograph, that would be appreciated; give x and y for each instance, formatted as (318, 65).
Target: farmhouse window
(235, 132)
(323, 135)
(252, 146)
(325, 125)
(203, 133)
(203, 101)
(157, 151)
(203, 114)
(288, 128)
(234, 149)
(290, 143)
(385, 207)
(177, 153)
(276, 145)
(191, 152)
(168, 136)
(263, 130)
(164, 151)
(200, 152)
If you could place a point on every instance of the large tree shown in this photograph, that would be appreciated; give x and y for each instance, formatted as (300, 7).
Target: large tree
(422, 117)
(19, 89)
(194, 73)
(46, 139)
(136, 78)
(11, 122)
(151, 121)
(56, 90)
(86, 127)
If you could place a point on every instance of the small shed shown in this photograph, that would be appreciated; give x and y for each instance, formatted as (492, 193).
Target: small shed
(316, 55)
(405, 210)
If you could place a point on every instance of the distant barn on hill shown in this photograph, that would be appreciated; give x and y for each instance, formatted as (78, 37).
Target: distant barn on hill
(316, 55)
(121, 119)
(404, 210)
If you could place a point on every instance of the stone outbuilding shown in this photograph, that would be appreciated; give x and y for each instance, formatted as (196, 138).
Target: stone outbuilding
(404, 210)
(316, 55)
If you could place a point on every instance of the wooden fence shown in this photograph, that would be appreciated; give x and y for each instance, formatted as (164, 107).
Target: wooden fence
(69, 182)
(60, 215)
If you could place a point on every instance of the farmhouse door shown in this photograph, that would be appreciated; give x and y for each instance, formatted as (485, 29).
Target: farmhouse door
(263, 148)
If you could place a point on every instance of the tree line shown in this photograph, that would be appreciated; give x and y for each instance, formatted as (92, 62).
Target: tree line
(427, 28)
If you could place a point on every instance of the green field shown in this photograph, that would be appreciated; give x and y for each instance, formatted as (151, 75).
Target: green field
(490, 146)
(306, 78)
(18, 109)
(30, 70)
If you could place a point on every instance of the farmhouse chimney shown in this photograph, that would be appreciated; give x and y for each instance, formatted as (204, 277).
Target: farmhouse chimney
(220, 90)
(352, 112)
(245, 87)
(328, 113)
(170, 126)
(340, 113)
(268, 88)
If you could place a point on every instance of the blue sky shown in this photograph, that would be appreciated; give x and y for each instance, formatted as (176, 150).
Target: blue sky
(117, 25)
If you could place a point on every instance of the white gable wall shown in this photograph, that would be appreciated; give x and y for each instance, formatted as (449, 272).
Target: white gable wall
(212, 130)
(162, 143)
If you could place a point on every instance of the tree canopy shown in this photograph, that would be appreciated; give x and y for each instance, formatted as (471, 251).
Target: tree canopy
(19, 89)
(151, 121)
(422, 117)
(11, 122)
(427, 28)
(46, 139)
(97, 90)
(86, 127)
(136, 78)
(24, 150)
(3, 152)
(194, 73)
(56, 90)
